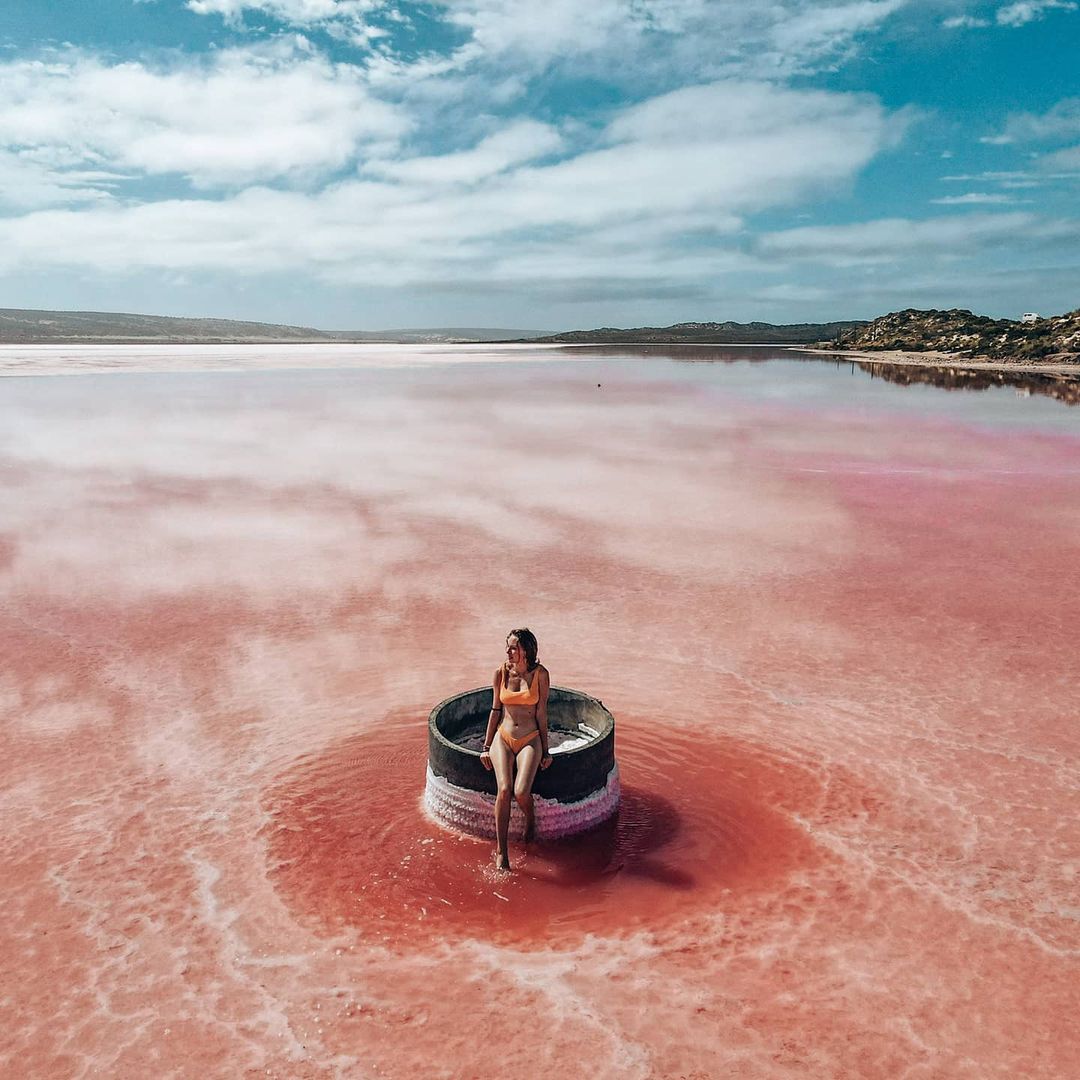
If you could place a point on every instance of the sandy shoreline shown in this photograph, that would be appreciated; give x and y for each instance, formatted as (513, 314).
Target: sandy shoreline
(946, 360)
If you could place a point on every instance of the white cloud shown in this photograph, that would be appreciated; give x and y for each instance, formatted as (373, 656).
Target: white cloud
(742, 109)
(1011, 178)
(816, 27)
(234, 117)
(684, 165)
(735, 28)
(1067, 159)
(1026, 11)
(298, 163)
(26, 183)
(1017, 14)
(973, 198)
(522, 141)
(1058, 123)
(936, 284)
(630, 42)
(298, 12)
(893, 240)
(498, 27)
(793, 293)
(572, 28)
(965, 22)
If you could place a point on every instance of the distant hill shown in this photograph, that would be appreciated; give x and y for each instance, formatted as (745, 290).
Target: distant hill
(957, 331)
(711, 333)
(446, 335)
(1055, 338)
(24, 326)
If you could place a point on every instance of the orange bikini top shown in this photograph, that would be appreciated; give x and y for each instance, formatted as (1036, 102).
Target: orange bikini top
(528, 696)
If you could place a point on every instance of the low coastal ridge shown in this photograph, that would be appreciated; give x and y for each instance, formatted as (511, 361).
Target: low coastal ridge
(959, 337)
(930, 338)
(920, 337)
(709, 333)
(26, 326)
(958, 350)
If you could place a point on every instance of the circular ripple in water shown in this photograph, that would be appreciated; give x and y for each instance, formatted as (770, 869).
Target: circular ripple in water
(699, 828)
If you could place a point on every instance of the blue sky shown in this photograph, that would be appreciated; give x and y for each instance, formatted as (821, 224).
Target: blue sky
(370, 164)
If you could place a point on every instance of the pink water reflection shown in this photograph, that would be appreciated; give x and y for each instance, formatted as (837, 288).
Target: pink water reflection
(838, 638)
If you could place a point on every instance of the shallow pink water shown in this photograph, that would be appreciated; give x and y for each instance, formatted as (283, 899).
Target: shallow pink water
(836, 627)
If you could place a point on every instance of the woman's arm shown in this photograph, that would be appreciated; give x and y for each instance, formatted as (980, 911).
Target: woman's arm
(543, 686)
(493, 718)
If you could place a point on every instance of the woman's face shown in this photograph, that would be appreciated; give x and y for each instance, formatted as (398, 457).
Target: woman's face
(515, 654)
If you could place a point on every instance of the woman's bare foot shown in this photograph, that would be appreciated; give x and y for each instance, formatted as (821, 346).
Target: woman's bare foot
(502, 860)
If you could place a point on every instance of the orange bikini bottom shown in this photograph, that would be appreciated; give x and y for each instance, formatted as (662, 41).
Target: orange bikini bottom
(518, 744)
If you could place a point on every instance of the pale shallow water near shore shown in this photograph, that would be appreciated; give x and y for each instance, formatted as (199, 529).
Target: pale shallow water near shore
(834, 618)
(24, 360)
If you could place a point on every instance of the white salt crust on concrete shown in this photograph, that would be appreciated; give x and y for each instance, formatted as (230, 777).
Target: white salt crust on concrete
(474, 811)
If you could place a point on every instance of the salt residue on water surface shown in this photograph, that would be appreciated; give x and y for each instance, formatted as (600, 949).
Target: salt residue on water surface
(24, 360)
(837, 636)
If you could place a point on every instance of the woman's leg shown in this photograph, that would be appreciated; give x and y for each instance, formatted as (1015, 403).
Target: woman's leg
(527, 761)
(503, 763)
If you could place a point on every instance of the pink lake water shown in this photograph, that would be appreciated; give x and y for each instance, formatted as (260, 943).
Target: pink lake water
(836, 621)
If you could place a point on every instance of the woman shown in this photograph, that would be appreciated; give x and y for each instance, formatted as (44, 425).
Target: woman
(519, 713)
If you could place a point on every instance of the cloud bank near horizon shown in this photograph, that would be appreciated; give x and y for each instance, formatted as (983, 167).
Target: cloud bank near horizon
(603, 151)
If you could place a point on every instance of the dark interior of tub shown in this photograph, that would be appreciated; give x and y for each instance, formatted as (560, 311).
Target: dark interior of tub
(574, 720)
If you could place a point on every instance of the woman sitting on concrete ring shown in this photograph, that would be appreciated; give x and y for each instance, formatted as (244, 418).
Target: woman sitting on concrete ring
(519, 714)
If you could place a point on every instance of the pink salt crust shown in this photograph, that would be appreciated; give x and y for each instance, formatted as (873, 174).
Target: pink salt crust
(841, 654)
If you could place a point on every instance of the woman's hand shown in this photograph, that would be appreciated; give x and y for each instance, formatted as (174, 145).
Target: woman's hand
(545, 761)
(485, 759)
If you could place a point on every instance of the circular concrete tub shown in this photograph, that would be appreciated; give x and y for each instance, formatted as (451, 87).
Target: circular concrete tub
(578, 791)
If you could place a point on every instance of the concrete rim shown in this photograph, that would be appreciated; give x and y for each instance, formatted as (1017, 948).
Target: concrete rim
(607, 720)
